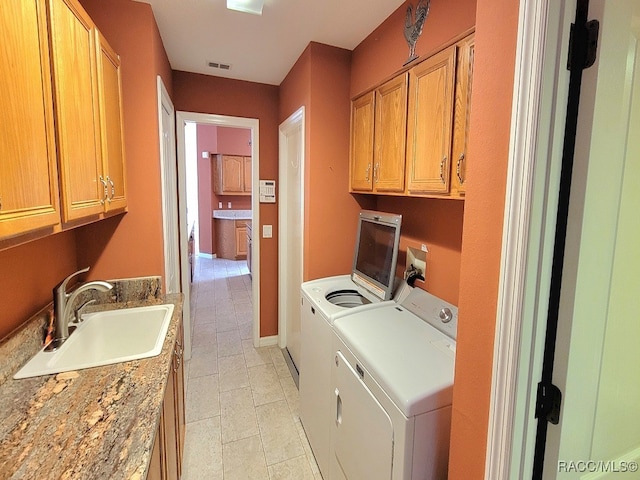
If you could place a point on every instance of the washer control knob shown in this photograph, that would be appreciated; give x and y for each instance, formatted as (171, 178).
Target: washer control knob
(445, 315)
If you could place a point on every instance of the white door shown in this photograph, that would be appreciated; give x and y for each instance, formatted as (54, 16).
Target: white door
(169, 191)
(290, 219)
(597, 364)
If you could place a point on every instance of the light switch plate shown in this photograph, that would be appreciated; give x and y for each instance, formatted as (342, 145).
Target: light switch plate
(267, 231)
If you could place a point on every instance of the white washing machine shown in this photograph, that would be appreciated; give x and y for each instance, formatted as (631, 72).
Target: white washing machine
(323, 301)
(392, 384)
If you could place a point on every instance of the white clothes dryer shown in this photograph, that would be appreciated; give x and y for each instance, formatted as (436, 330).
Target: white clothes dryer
(392, 382)
(323, 301)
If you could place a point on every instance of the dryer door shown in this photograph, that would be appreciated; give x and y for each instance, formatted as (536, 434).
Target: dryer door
(362, 432)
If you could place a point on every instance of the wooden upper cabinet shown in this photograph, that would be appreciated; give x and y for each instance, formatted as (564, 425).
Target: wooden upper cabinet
(77, 111)
(378, 139)
(111, 124)
(248, 174)
(464, 80)
(430, 123)
(361, 161)
(390, 133)
(28, 171)
(230, 175)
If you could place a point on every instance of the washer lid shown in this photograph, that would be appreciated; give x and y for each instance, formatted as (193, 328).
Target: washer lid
(318, 290)
(412, 361)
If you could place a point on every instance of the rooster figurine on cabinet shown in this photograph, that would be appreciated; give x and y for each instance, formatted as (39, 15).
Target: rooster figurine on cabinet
(413, 26)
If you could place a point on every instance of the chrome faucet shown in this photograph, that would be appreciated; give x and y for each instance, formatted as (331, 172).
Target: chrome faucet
(63, 305)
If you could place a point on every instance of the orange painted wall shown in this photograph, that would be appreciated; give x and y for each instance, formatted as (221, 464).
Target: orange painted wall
(28, 274)
(496, 34)
(132, 245)
(385, 50)
(438, 225)
(207, 94)
(234, 141)
(319, 81)
(206, 141)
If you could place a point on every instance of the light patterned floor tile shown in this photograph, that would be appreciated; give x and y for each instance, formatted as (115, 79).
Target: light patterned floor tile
(202, 450)
(226, 377)
(294, 469)
(279, 435)
(265, 384)
(203, 362)
(202, 399)
(238, 415)
(229, 343)
(244, 460)
(233, 372)
(255, 356)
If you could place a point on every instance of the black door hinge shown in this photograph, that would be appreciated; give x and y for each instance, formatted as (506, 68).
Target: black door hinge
(548, 402)
(589, 40)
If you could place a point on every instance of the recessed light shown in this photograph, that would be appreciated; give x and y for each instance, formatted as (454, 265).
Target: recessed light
(247, 6)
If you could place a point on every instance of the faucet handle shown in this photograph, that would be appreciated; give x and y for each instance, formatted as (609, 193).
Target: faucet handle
(62, 286)
(77, 318)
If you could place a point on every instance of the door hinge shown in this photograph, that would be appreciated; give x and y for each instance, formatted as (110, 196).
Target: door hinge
(590, 47)
(548, 402)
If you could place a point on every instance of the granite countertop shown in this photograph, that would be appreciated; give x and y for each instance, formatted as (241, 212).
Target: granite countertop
(95, 423)
(232, 214)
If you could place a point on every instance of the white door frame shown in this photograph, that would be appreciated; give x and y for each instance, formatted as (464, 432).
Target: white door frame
(295, 119)
(537, 132)
(252, 124)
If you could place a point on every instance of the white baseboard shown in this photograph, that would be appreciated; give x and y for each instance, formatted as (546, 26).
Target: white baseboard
(268, 341)
(206, 255)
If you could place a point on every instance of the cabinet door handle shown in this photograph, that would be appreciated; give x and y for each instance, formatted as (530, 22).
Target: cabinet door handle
(367, 171)
(376, 171)
(442, 162)
(105, 189)
(458, 166)
(338, 408)
(113, 188)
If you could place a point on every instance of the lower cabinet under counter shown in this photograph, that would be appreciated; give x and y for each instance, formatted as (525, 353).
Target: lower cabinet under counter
(231, 238)
(168, 448)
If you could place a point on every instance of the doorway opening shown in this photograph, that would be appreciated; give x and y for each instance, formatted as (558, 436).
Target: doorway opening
(185, 122)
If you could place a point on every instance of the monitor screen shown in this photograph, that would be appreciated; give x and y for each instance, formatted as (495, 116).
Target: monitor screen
(376, 253)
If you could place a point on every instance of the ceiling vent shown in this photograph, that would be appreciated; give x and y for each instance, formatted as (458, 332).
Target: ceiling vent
(221, 66)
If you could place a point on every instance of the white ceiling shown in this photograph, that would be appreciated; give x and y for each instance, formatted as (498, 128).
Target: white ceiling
(261, 48)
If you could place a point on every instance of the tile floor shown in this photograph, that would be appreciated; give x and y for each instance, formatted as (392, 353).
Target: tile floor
(241, 401)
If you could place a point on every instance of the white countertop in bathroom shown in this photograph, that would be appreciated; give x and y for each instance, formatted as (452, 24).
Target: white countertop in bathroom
(232, 214)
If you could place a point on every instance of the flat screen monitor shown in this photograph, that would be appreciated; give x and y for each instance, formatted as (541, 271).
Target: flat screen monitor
(376, 253)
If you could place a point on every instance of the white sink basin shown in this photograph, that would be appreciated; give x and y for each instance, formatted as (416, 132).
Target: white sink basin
(104, 338)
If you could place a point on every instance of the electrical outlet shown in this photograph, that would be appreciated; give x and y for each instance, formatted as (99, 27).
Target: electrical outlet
(228, 204)
(219, 204)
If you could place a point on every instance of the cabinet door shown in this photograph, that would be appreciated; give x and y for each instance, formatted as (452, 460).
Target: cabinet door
(111, 125)
(430, 123)
(155, 463)
(28, 173)
(361, 168)
(178, 374)
(169, 422)
(232, 174)
(241, 241)
(78, 121)
(247, 175)
(390, 136)
(464, 79)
